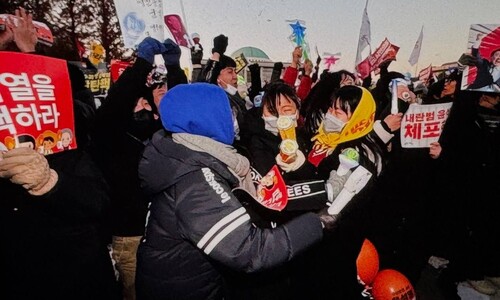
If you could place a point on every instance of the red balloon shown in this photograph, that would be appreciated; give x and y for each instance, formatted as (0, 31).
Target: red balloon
(392, 285)
(367, 263)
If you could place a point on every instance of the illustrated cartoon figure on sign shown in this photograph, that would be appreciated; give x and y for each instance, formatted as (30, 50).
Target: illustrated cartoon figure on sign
(22, 140)
(65, 139)
(46, 141)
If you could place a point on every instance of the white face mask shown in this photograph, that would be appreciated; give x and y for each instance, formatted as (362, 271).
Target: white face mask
(332, 124)
(271, 124)
(231, 90)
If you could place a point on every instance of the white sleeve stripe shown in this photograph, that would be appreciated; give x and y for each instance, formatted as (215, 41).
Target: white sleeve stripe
(242, 219)
(307, 195)
(304, 183)
(227, 219)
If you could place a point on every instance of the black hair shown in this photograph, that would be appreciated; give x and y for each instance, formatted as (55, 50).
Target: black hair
(318, 100)
(271, 96)
(26, 138)
(349, 95)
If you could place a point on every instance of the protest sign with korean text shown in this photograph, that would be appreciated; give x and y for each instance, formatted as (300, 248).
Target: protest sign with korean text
(423, 124)
(36, 106)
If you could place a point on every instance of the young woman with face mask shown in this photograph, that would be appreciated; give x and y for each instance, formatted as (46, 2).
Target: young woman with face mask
(347, 123)
(279, 100)
(306, 191)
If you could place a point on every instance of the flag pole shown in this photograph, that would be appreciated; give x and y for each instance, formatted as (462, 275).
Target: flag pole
(364, 36)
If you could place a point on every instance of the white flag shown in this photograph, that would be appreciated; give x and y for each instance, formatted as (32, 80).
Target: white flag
(365, 38)
(415, 54)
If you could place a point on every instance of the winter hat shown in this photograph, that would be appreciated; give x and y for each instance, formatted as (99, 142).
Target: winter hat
(198, 108)
(195, 36)
(226, 62)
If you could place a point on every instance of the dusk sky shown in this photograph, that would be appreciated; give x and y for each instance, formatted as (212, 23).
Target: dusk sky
(333, 26)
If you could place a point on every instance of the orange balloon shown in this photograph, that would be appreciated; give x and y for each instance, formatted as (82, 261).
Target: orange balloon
(392, 285)
(367, 263)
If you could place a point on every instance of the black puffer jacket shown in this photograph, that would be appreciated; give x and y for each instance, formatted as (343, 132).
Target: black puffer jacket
(197, 225)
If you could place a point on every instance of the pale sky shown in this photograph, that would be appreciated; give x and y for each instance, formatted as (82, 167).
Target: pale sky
(333, 26)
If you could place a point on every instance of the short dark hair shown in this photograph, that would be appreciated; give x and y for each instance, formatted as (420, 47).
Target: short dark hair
(274, 91)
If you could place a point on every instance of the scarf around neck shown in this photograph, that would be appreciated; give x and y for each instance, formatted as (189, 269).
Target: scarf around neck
(360, 124)
(237, 164)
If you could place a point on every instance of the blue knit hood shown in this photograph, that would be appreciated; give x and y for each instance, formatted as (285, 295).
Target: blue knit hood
(198, 108)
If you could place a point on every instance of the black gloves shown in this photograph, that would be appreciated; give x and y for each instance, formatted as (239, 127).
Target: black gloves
(220, 44)
(329, 222)
(276, 74)
(254, 68)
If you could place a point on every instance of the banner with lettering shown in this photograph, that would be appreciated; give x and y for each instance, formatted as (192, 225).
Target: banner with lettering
(99, 83)
(36, 106)
(386, 51)
(425, 74)
(423, 124)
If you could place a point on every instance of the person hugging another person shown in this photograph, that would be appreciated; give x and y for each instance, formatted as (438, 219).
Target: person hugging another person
(199, 238)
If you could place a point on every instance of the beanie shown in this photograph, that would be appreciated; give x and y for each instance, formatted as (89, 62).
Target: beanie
(195, 35)
(224, 62)
(198, 108)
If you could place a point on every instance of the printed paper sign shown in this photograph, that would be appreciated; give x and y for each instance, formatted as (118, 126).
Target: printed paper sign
(140, 19)
(423, 124)
(241, 63)
(36, 106)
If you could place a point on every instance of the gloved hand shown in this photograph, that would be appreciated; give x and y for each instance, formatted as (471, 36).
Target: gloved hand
(26, 167)
(172, 54)
(254, 68)
(335, 184)
(328, 221)
(277, 69)
(220, 44)
(148, 48)
(299, 160)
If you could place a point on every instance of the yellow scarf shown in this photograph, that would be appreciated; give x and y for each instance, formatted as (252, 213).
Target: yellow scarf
(360, 124)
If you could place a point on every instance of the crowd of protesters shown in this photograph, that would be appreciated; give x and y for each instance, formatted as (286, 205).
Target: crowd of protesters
(159, 201)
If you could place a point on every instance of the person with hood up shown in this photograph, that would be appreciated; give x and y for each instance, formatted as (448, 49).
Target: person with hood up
(197, 229)
(221, 70)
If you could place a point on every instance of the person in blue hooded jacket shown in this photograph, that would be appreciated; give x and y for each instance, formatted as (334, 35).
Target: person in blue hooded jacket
(197, 231)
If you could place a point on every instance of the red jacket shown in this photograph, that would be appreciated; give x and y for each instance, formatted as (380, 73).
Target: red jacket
(305, 83)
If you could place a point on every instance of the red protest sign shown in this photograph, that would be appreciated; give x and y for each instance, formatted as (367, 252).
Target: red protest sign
(176, 27)
(36, 106)
(272, 191)
(386, 51)
(117, 68)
